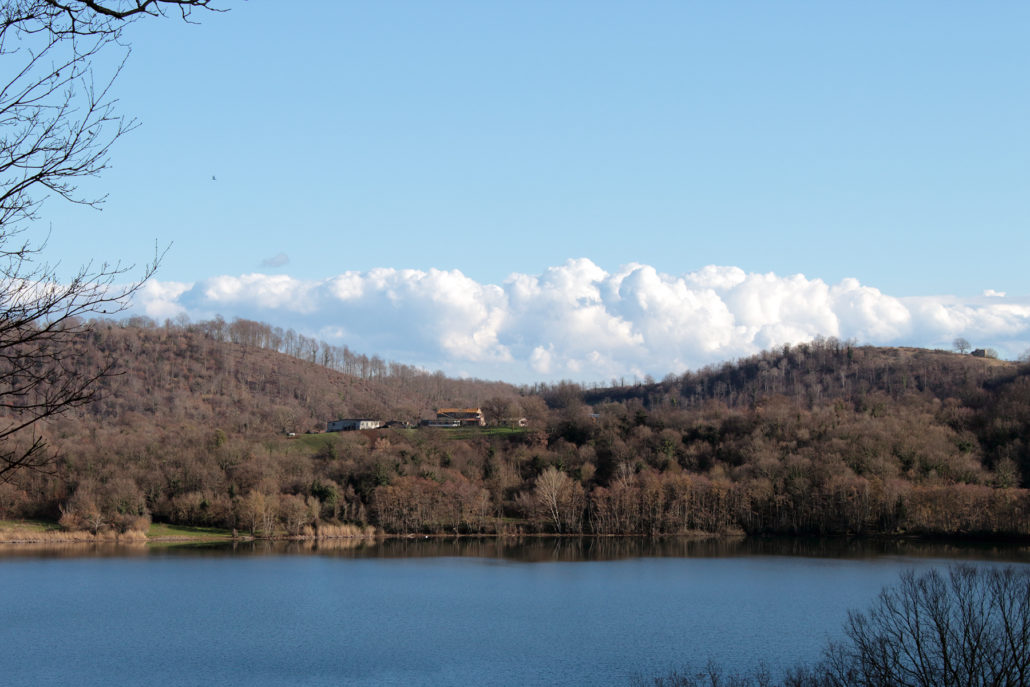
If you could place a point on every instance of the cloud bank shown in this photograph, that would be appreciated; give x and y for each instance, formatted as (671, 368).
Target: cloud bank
(580, 322)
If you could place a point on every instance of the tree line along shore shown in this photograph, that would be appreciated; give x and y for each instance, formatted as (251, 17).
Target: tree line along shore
(820, 438)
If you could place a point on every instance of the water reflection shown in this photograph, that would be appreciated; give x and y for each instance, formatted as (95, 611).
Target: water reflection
(545, 549)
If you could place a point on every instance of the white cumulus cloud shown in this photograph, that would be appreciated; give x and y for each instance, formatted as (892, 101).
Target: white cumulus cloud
(580, 321)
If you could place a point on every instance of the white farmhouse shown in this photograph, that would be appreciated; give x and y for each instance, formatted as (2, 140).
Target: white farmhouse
(351, 424)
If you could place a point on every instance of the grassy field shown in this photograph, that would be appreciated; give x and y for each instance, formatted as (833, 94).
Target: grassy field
(474, 432)
(43, 532)
(314, 443)
(32, 526)
(455, 433)
(161, 530)
(39, 530)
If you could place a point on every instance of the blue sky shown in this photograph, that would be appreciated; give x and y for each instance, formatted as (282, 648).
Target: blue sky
(874, 148)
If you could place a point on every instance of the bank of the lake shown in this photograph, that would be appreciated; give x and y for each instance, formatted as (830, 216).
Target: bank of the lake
(42, 532)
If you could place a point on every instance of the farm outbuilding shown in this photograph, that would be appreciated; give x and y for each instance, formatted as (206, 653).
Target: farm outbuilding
(352, 424)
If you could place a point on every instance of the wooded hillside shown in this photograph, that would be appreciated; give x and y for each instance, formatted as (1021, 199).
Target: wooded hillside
(825, 437)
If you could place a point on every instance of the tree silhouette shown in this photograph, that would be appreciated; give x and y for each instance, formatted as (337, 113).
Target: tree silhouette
(968, 626)
(57, 126)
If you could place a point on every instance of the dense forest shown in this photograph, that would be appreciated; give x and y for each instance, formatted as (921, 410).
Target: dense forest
(221, 423)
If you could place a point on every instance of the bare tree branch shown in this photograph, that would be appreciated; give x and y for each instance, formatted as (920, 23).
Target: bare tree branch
(58, 123)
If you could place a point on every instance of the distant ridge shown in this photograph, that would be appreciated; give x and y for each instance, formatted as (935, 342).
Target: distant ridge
(221, 424)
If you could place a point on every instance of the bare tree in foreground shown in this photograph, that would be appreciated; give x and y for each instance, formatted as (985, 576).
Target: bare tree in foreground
(57, 126)
(964, 627)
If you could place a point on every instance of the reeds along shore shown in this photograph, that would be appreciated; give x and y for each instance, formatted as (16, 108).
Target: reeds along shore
(22, 535)
(42, 535)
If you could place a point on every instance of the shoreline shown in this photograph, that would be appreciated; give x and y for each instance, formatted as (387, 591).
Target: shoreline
(15, 533)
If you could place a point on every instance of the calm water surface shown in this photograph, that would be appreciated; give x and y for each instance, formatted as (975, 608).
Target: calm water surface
(562, 612)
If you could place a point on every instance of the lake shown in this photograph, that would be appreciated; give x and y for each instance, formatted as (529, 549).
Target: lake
(436, 612)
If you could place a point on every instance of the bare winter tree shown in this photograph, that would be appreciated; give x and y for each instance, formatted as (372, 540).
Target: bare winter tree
(966, 627)
(57, 125)
(559, 499)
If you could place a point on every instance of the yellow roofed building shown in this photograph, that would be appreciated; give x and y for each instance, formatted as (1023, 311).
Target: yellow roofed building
(465, 416)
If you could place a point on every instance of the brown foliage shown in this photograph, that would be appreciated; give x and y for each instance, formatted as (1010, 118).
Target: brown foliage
(192, 433)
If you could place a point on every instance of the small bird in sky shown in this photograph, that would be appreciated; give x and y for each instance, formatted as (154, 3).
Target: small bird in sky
(213, 178)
